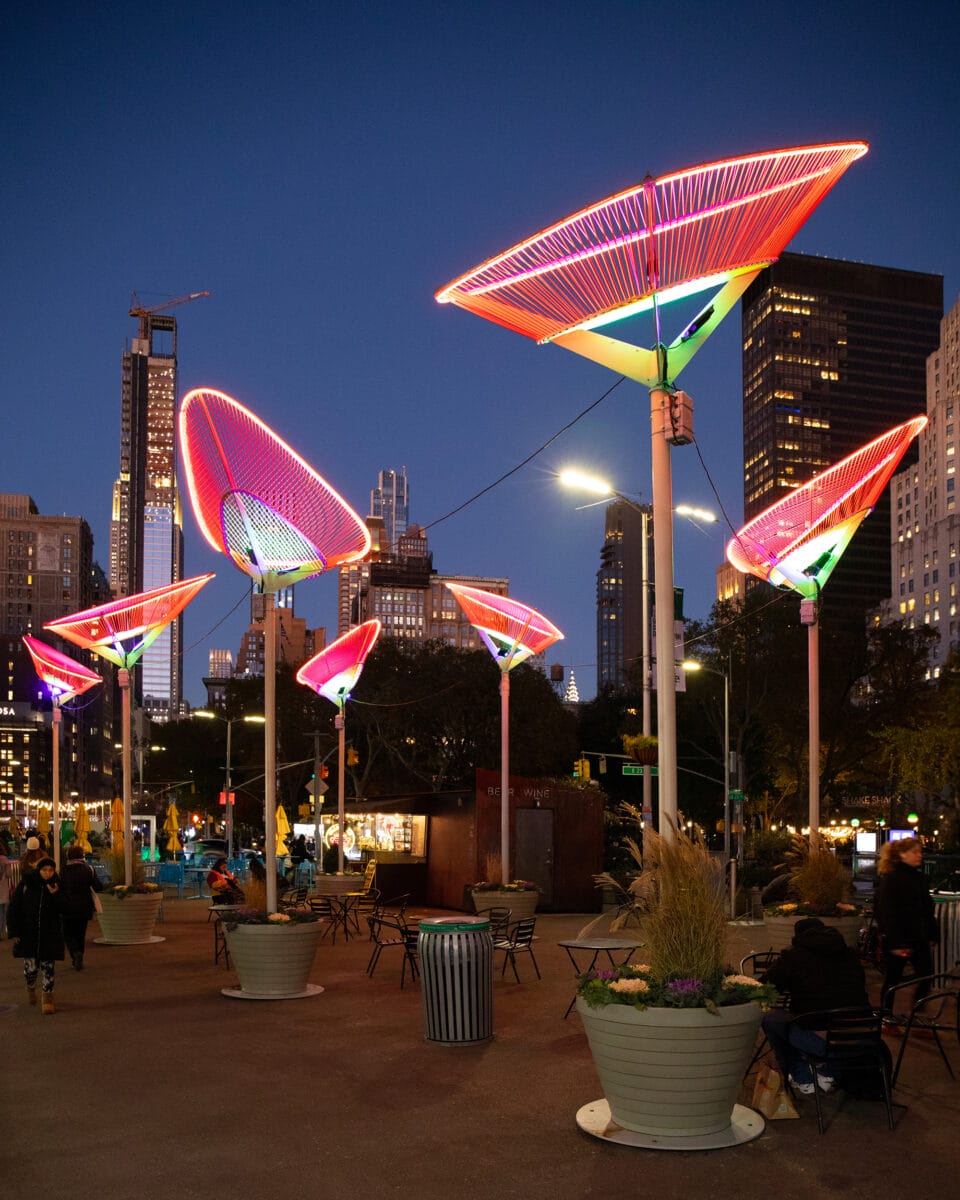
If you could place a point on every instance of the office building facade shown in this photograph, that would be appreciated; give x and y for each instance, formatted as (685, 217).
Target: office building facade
(620, 594)
(46, 571)
(834, 355)
(924, 524)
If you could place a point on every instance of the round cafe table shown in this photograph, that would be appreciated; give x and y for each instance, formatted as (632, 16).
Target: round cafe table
(595, 946)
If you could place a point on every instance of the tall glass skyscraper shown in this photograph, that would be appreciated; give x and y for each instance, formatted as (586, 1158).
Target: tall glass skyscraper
(146, 532)
(390, 501)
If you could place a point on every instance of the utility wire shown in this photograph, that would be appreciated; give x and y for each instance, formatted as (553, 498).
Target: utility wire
(530, 457)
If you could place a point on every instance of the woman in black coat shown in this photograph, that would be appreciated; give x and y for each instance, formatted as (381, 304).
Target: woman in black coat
(905, 914)
(76, 901)
(34, 920)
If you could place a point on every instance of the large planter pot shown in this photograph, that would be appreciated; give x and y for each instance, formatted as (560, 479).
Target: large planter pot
(670, 1076)
(778, 931)
(521, 904)
(273, 962)
(130, 921)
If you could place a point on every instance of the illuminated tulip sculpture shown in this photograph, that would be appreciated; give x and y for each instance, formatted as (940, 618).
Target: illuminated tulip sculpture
(798, 541)
(512, 632)
(65, 679)
(333, 673)
(276, 519)
(709, 228)
(120, 631)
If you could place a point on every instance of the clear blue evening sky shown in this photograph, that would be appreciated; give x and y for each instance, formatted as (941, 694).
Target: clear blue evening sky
(323, 168)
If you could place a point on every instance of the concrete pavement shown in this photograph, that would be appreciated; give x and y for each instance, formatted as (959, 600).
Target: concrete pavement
(148, 1082)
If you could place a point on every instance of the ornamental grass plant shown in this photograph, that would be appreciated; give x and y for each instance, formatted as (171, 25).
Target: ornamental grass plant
(817, 883)
(679, 902)
(138, 885)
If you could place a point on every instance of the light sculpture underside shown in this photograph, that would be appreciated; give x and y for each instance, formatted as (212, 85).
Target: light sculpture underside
(62, 675)
(334, 672)
(510, 630)
(121, 630)
(799, 540)
(257, 501)
(666, 237)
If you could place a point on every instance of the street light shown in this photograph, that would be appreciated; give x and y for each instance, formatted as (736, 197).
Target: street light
(692, 665)
(573, 478)
(207, 715)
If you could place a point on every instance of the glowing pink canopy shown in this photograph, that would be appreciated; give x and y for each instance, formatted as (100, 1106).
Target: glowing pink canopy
(671, 236)
(62, 675)
(257, 501)
(121, 630)
(511, 631)
(335, 670)
(799, 540)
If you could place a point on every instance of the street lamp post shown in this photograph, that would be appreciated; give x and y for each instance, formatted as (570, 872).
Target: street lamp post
(577, 479)
(207, 715)
(692, 665)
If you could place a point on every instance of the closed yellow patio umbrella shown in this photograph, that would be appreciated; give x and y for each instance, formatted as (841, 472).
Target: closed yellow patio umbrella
(116, 823)
(283, 828)
(81, 827)
(171, 827)
(43, 821)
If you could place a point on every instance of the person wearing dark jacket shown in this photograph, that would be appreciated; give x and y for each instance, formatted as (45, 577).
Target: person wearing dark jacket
(820, 971)
(34, 920)
(77, 902)
(905, 914)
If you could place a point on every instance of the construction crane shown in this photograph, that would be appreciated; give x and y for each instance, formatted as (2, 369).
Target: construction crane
(138, 310)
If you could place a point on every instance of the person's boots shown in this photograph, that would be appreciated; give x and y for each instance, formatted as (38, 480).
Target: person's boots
(46, 1004)
(78, 960)
(31, 995)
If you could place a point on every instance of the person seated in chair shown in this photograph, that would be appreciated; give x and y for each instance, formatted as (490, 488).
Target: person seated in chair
(820, 971)
(223, 886)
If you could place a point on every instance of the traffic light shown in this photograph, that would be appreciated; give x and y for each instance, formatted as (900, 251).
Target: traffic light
(352, 757)
(581, 768)
(324, 771)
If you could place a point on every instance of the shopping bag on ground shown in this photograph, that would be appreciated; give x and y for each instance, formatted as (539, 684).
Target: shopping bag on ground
(770, 1096)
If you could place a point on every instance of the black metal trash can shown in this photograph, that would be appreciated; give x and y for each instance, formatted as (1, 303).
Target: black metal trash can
(456, 978)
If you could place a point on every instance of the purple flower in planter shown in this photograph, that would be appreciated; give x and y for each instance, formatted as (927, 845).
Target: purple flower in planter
(685, 991)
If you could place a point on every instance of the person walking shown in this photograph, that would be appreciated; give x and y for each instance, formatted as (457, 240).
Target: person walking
(905, 915)
(34, 920)
(77, 902)
(6, 878)
(33, 855)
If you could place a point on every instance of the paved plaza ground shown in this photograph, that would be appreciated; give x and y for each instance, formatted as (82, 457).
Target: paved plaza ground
(148, 1082)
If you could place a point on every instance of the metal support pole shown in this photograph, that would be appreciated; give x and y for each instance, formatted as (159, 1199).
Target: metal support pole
(813, 700)
(57, 726)
(647, 811)
(504, 777)
(270, 748)
(229, 806)
(340, 725)
(663, 600)
(123, 678)
(726, 768)
(317, 804)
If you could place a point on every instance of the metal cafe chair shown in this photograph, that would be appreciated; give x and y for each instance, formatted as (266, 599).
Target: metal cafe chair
(499, 918)
(386, 933)
(756, 964)
(518, 940)
(929, 1016)
(854, 1046)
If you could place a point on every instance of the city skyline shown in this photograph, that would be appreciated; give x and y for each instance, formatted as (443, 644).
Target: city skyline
(323, 176)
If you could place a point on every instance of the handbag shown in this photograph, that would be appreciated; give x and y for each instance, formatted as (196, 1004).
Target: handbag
(97, 906)
(770, 1096)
